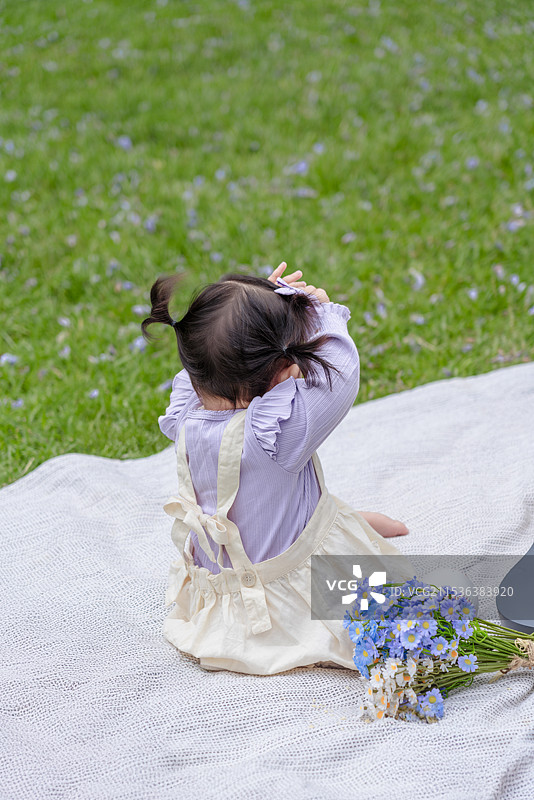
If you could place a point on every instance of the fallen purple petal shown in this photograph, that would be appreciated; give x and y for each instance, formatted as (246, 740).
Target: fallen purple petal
(299, 168)
(473, 293)
(165, 386)
(134, 218)
(124, 142)
(17, 403)
(304, 191)
(93, 393)
(379, 348)
(419, 279)
(141, 311)
(381, 310)
(150, 224)
(138, 345)
(419, 319)
(8, 358)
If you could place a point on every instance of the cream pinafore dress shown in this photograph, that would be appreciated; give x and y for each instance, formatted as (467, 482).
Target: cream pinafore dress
(256, 618)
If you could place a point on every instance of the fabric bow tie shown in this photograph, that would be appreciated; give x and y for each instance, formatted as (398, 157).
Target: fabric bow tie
(286, 288)
(193, 518)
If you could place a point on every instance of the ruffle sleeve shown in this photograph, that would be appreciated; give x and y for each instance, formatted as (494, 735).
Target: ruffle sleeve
(333, 314)
(183, 397)
(275, 406)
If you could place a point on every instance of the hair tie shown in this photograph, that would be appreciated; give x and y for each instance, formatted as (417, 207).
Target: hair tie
(286, 288)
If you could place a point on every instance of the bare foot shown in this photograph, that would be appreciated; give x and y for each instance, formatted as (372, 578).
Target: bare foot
(384, 525)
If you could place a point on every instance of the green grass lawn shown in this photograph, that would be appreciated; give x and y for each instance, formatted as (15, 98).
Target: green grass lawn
(384, 148)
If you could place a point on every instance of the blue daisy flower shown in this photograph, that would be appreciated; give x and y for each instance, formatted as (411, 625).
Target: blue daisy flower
(408, 624)
(430, 604)
(462, 628)
(366, 650)
(396, 650)
(449, 609)
(410, 638)
(418, 611)
(361, 667)
(439, 646)
(396, 626)
(431, 704)
(380, 636)
(356, 631)
(466, 608)
(414, 583)
(428, 625)
(468, 663)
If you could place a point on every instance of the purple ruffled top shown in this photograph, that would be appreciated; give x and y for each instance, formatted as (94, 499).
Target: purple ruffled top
(278, 489)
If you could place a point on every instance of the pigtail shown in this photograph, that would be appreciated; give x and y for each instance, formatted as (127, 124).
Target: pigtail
(304, 317)
(305, 356)
(160, 295)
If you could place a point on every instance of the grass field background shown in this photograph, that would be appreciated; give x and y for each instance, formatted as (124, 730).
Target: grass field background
(384, 148)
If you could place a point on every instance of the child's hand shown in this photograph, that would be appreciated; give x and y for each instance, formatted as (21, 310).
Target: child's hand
(320, 294)
(292, 279)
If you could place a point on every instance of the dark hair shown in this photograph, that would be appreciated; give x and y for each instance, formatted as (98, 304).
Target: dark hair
(238, 333)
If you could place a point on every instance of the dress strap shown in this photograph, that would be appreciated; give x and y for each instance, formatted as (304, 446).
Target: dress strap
(228, 475)
(188, 514)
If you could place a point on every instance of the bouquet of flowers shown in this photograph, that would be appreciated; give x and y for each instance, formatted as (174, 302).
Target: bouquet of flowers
(422, 641)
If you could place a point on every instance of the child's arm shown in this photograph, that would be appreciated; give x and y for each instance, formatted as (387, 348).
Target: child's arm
(291, 421)
(183, 397)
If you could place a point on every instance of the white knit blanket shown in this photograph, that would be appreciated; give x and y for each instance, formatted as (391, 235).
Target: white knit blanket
(96, 704)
